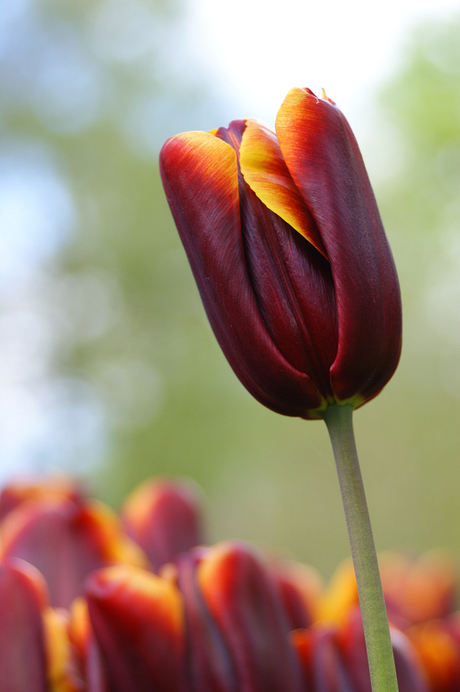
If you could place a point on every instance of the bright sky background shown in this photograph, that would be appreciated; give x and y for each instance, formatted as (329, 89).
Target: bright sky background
(260, 49)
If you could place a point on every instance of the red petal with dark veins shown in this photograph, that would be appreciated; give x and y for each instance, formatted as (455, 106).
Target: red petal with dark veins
(208, 659)
(137, 620)
(164, 518)
(246, 605)
(293, 287)
(329, 672)
(324, 160)
(22, 645)
(200, 177)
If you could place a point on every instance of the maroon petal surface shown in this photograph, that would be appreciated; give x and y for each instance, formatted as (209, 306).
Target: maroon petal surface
(246, 605)
(209, 663)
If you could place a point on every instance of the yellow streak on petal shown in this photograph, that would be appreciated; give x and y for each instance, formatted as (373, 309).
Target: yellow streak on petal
(212, 156)
(266, 173)
(114, 544)
(58, 651)
(79, 625)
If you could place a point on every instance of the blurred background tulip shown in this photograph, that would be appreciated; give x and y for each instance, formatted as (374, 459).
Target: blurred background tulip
(109, 368)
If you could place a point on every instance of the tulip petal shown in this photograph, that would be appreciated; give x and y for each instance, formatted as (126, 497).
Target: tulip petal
(87, 654)
(62, 669)
(341, 595)
(137, 619)
(301, 588)
(163, 517)
(22, 643)
(292, 286)
(324, 669)
(247, 607)
(325, 163)
(266, 173)
(329, 671)
(200, 177)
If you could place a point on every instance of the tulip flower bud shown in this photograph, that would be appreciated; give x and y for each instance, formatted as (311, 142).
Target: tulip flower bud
(286, 244)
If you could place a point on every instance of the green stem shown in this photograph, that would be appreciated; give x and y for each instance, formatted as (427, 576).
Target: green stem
(375, 622)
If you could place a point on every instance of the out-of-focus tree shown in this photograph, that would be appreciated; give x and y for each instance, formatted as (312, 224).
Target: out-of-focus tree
(110, 368)
(97, 292)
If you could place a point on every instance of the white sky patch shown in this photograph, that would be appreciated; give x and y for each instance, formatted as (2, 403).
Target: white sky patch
(259, 50)
(36, 215)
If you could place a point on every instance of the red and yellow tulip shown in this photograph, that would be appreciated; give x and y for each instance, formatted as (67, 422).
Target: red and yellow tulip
(288, 250)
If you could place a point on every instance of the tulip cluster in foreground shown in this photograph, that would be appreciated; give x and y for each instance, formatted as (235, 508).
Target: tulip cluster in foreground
(92, 602)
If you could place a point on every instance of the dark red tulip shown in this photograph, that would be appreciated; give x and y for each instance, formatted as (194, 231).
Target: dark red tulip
(287, 247)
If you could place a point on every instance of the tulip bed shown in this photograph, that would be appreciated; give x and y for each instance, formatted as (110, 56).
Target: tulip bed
(93, 602)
